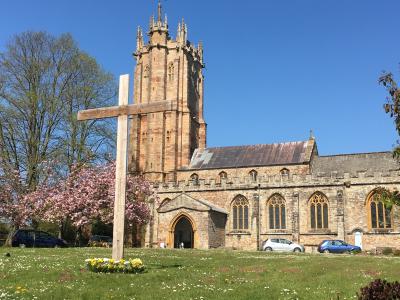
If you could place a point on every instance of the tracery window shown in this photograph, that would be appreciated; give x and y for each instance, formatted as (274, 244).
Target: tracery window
(253, 175)
(380, 215)
(171, 72)
(277, 212)
(240, 213)
(284, 171)
(319, 211)
(194, 178)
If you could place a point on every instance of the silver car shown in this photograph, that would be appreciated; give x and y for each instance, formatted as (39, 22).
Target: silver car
(282, 245)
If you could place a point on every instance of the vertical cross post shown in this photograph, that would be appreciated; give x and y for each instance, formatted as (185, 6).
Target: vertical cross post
(120, 172)
(122, 111)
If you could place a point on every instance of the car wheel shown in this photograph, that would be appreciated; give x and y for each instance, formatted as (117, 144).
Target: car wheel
(326, 251)
(297, 250)
(268, 249)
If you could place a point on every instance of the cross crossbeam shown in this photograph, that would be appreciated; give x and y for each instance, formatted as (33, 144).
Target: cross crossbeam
(132, 109)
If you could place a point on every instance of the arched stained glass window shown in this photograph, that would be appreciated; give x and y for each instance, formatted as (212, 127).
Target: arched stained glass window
(319, 218)
(380, 215)
(277, 212)
(240, 213)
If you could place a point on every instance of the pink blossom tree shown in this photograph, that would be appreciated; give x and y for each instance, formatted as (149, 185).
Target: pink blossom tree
(86, 195)
(12, 208)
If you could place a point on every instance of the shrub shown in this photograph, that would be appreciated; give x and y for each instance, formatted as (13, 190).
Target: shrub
(380, 290)
(396, 252)
(99, 244)
(387, 251)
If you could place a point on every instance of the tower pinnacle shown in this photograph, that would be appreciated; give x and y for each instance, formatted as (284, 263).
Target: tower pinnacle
(159, 12)
(139, 38)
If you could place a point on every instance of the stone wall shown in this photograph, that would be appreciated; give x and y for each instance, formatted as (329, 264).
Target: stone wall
(347, 195)
(234, 173)
(216, 229)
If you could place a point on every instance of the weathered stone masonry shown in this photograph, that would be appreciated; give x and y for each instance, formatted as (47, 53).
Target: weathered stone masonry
(347, 196)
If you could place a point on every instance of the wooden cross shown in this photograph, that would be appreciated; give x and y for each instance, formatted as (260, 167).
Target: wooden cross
(122, 111)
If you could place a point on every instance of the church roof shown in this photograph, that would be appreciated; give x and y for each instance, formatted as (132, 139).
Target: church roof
(253, 155)
(353, 163)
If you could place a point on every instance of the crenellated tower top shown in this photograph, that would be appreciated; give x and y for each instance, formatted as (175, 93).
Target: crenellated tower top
(159, 37)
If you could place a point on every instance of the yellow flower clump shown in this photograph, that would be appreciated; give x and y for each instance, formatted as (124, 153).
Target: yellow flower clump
(110, 265)
(136, 263)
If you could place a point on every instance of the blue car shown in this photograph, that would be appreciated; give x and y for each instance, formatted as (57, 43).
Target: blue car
(36, 238)
(337, 246)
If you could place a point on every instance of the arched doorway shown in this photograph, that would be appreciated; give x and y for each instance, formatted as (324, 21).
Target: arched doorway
(183, 233)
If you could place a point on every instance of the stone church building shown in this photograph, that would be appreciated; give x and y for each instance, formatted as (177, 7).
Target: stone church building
(239, 196)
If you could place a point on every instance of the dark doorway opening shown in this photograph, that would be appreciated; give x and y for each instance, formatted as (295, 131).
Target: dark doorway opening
(183, 233)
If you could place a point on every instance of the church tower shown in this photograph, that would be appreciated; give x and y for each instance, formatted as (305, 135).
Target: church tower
(168, 74)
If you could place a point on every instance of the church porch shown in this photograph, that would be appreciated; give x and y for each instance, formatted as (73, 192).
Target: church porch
(190, 223)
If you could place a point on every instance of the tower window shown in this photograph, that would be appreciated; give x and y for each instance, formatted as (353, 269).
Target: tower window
(171, 70)
(168, 136)
(146, 72)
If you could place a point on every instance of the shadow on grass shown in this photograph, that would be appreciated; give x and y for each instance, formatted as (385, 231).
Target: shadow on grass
(163, 266)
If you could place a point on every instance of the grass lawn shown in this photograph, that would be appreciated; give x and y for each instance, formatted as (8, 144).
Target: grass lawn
(190, 274)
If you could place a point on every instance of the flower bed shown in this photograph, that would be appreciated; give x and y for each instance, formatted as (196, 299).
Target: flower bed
(106, 265)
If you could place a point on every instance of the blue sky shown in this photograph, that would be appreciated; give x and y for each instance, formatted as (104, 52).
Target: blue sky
(274, 69)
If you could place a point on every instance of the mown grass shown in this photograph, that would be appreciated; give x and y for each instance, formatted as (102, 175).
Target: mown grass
(190, 274)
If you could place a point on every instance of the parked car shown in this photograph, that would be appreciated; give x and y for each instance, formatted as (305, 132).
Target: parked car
(36, 238)
(337, 246)
(282, 245)
(100, 241)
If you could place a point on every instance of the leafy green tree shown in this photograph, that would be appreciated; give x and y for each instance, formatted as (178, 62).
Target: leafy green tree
(392, 107)
(44, 81)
